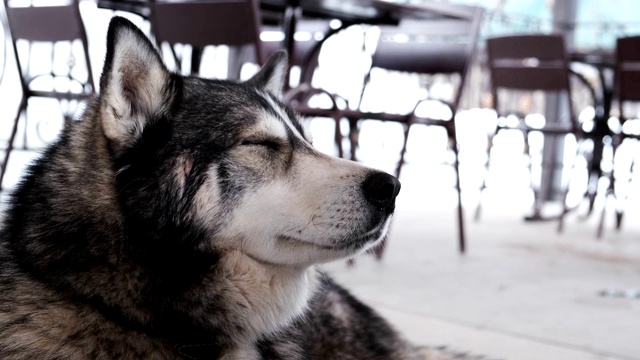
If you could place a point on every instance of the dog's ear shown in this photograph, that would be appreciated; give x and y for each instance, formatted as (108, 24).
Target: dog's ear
(272, 76)
(133, 85)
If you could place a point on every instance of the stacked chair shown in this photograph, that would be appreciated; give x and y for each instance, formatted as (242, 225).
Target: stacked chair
(626, 92)
(527, 64)
(198, 24)
(55, 26)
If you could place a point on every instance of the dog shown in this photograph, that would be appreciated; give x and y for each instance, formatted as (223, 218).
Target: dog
(183, 218)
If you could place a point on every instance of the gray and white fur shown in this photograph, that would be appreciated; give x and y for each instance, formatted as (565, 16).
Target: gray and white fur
(181, 218)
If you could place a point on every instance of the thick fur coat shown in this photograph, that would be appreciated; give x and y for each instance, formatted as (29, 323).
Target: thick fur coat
(182, 218)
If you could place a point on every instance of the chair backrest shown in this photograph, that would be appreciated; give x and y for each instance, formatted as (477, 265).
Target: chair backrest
(627, 70)
(431, 46)
(528, 62)
(207, 22)
(309, 36)
(536, 62)
(51, 24)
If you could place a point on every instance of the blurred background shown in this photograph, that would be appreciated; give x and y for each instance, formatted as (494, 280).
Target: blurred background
(512, 125)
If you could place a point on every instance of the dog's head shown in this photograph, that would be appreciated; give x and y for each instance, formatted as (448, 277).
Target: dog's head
(224, 165)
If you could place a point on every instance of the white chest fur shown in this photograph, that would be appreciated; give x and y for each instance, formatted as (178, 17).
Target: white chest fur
(269, 297)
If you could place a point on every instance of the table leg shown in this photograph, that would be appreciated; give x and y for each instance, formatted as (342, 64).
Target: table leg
(600, 131)
(291, 14)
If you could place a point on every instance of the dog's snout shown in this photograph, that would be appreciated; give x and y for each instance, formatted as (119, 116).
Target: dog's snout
(381, 189)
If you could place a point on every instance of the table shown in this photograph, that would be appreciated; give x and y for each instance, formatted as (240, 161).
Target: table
(356, 11)
(603, 61)
(349, 12)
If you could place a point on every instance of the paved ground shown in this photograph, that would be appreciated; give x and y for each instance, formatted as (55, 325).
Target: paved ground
(522, 291)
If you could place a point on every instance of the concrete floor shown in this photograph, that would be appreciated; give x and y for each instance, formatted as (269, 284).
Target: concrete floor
(521, 292)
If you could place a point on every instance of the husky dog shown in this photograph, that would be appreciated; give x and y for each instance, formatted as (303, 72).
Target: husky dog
(181, 218)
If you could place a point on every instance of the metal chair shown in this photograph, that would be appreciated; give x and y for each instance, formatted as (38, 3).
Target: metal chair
(310, 33)
(626, 92)
(53, 25)
(201, 23)
(306, 51)
(429, 46)
(527, 64)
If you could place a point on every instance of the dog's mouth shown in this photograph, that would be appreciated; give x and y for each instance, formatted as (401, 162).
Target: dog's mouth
(351, 243)
(366, 240)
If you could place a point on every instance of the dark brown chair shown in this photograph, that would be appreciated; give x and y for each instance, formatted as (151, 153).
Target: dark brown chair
(433, 46)
(200, 23)
(525, 64)
(306, 51)
(53, 25)
(310, 33)
(626, 91)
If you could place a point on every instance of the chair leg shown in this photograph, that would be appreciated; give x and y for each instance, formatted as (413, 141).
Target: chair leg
(338, 137)
(614, 190)
(619, 216)
(600, 230)
(354, 135)
(483, 186)
(565, 192)
(12, 137)
(404, 149)
(461, 234)
(26, 128)
(538, 194)
(592, 186)
(621, 199)
(610, 191)
(564, 211)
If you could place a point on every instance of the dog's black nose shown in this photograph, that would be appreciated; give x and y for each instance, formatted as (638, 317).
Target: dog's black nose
(381, 189)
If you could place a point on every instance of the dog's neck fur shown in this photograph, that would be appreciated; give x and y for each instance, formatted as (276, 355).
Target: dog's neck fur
(259, 298)
(266, 297)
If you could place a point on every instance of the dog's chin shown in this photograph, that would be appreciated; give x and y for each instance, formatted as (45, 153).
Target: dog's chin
(294, 251)
(358, 244)
(346, 246)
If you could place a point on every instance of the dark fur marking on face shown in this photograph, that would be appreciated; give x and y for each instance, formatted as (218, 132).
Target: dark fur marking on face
(146, 173)
(289, 112)
(298, 144)
(231, 189)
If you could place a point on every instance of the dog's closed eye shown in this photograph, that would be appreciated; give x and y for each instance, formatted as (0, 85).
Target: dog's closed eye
(272, 144)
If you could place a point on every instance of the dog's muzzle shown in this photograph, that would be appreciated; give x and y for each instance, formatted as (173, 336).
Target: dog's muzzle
(381, 189)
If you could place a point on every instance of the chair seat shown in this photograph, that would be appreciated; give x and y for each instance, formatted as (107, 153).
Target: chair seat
(61, 95)
(383, 116)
